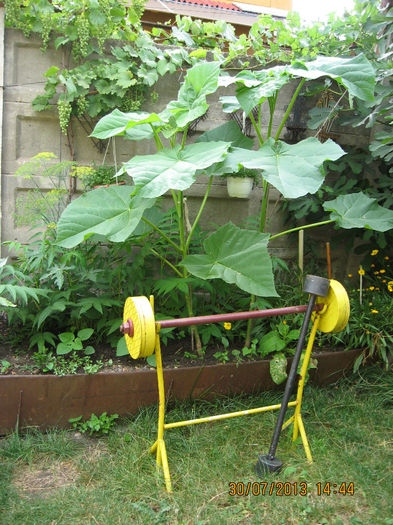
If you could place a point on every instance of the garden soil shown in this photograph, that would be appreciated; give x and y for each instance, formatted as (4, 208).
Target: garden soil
(22, 362)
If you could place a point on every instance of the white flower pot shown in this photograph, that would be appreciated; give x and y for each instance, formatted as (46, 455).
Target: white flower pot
(239, 187)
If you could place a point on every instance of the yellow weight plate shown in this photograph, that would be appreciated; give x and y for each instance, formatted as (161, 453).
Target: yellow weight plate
(336, 314)
(139, 310)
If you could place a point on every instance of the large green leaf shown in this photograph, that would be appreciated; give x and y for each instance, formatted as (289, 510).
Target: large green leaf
(228, 132)
(254, 87)
(230, 104)
(270, 82)
(236, 256)
(203, 78)
(255, 78)
(118, 123)
(278, 368)
(200, 81)
(109, 212)
(173, 169)
(355, 73)
(294, 169)
(356, 210)
(233, 161)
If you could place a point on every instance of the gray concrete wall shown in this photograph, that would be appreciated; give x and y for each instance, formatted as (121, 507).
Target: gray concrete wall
(2, 13)
(26, 133)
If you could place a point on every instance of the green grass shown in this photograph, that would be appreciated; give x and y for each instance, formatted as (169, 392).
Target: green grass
(56, 478)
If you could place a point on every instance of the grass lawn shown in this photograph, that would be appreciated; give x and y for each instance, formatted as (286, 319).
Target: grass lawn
(63, 478)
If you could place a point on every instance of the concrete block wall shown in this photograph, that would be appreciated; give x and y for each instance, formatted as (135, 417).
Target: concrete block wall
(26, 133)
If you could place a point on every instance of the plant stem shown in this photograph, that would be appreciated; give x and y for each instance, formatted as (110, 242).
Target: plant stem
(262, 223)
(272, 107)
(163, 235)
(199, 213)
(184, 138)
(165, 260)
(157, 139)
(257, 130)
(265, 200)
(294, 97)
(315, 224)
(184, 251)
(180, 216)
(194, 329)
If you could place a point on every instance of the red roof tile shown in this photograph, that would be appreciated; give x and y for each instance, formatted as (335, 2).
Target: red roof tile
(211, 3)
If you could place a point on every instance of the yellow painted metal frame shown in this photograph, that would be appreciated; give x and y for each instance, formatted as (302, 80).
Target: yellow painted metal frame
(333, 316)
(159, 446)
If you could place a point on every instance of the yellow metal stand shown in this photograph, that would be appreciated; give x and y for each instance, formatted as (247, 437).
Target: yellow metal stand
(333, 317)
(159, 446)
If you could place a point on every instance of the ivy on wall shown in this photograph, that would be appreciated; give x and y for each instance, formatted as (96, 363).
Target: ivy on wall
(108, 61)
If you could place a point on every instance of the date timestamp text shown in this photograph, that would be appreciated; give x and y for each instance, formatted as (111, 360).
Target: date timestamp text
(279, 488)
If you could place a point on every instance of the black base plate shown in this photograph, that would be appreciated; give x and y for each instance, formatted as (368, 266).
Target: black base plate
(266, 464)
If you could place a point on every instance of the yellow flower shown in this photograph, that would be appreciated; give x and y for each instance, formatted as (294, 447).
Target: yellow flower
(349, 275)
(361, 271)
(374, 252)
(390, 288)
(284, 322)
(227, 326)
(382, 271)
(374, 311)
(386, 258)
(372, 288)
(373, 266)
(376, 273)
(384, 281)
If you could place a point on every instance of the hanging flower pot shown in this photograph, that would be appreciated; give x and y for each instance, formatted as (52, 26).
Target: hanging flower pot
(239, 187)
(241, 183)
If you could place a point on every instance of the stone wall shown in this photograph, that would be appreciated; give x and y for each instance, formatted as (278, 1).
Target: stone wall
(26, 133)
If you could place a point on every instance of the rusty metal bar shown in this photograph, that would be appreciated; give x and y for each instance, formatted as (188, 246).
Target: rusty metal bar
(236, 316)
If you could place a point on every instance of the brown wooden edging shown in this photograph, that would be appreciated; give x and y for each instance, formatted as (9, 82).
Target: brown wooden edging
(45, 400)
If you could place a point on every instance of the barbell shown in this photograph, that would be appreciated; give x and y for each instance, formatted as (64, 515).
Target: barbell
(140, 327)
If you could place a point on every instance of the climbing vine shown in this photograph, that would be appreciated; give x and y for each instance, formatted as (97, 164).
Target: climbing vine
(86, 24)
(108, 61)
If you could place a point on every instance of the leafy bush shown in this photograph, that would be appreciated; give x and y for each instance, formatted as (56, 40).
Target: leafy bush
(59, 290)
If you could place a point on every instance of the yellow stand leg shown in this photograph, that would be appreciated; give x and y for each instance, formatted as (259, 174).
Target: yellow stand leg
(300, 426)
(302, 379)
(296, 419)
(165, 466)
(159, 445)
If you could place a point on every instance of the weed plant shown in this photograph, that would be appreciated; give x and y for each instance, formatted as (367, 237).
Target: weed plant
(114, 479)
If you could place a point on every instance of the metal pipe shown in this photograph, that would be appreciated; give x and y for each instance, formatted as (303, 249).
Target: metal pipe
(236, 316)
(226, 416)
(127, 327)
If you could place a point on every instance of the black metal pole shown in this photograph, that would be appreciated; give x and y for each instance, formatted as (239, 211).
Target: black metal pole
(268, 462)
